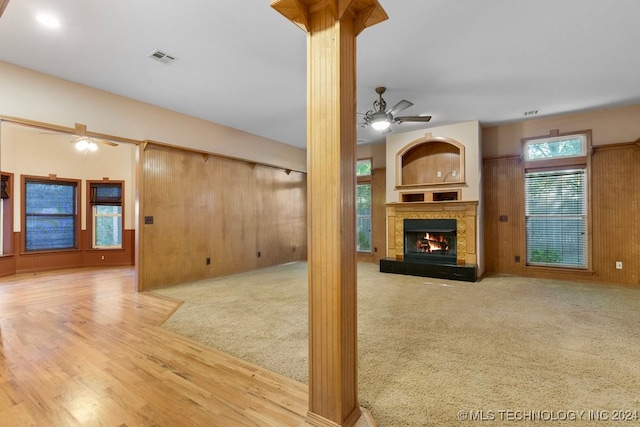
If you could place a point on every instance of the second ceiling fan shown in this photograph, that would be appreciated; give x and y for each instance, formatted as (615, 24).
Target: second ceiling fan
(381, 118)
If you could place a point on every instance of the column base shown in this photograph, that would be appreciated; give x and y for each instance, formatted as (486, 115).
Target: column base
(365, 420)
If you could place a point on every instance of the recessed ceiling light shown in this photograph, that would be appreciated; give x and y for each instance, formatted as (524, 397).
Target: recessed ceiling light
(48, 20)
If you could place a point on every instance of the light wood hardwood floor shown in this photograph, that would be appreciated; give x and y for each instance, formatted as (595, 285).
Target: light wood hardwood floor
(81, 347)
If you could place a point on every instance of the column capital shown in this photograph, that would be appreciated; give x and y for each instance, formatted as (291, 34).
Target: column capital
(366, 12)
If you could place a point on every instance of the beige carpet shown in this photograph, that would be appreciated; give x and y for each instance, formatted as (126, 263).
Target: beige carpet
(433, 352)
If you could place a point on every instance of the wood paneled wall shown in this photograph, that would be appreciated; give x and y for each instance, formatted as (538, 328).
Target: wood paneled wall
(503, 195)
(616, 222)
(615, 199)
(241, 215)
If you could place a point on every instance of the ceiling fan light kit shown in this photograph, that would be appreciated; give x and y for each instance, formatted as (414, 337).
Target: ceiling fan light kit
(380, 118)
(85, 145)
(380, 121)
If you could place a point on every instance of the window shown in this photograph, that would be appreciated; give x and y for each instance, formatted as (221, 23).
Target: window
(106, 214)
(363, 206)
(50, 214)
(556, 201)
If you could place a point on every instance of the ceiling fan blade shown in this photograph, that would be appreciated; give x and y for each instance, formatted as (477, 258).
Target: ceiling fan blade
(101, 141)
(402, 105)
(412, 119)
(107, 142)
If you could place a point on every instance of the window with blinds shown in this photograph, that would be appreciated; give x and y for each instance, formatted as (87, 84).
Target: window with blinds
(50, 210)
(106, 212)
(556, 218)
(556, 182)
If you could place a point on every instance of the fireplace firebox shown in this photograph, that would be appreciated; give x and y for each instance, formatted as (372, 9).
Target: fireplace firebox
(430, 241)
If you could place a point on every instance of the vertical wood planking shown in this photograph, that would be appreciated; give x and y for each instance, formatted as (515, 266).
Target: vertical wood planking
(215, 208)
(332, 254)
(615, 180)
(503, 190)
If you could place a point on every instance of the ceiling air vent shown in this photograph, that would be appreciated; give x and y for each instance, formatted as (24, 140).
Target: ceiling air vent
(161, 56)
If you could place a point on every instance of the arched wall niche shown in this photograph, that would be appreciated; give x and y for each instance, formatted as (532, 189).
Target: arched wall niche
(430, 161)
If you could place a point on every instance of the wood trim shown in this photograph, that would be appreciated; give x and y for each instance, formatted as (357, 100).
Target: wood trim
(617, 146)
(207, 154)
(3, 6)
(496, 158)
(63, 129)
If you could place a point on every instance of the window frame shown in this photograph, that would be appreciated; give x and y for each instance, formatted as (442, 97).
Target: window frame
(560, 163)
(52, 180)
(6, 242)
(91, 217)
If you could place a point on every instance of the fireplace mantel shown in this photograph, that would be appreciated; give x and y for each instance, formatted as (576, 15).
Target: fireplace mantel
(465, 212)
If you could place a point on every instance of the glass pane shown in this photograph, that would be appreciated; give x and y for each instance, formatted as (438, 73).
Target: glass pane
(557, 241)
(108, 210)
(50, 232)
(363, 167)
(553, 149)
(43, 198)
(108, 232)
(363, 217)
(556, 220)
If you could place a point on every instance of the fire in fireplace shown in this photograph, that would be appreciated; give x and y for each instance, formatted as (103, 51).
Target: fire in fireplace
(432, 241)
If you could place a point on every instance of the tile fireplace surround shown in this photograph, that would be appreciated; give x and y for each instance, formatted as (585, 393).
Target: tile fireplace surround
(465, 212)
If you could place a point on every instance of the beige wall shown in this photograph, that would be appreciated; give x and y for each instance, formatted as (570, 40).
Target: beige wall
(28, 151)
(35, 96)
(376, 152)
(609, 126)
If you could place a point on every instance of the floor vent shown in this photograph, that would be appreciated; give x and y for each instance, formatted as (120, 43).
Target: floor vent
(161, 56)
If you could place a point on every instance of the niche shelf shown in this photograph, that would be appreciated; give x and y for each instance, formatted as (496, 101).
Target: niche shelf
(428, 162)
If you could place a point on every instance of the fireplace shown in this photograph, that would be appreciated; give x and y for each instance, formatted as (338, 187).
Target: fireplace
(451, 240)
(431, 241)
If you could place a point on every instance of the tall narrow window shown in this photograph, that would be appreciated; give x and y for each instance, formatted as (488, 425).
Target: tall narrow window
(50, 214)
(556, 201)
(106, 214)
(363, 206)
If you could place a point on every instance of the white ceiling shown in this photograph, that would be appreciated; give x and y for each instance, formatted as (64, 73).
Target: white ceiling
(241, 64)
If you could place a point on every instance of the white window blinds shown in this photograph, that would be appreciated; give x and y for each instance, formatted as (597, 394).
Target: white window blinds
(556, 218)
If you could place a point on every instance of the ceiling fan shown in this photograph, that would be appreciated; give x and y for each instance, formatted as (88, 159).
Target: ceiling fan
(380, 118)
(86, 143)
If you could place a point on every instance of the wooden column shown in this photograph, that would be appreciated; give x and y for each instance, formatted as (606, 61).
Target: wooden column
(332, 27)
